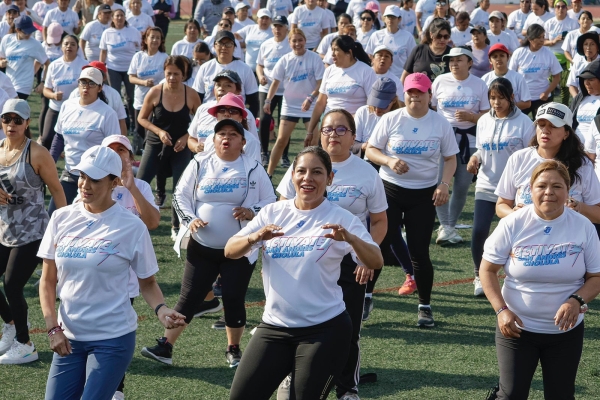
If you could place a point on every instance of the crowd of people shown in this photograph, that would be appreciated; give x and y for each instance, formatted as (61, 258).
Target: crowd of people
(405, 110)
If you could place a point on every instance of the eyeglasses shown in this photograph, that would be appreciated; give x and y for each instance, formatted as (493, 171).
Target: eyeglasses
(367, 19)
(227, 45)
(443, 37)
(440, 3)
(339, 130)
(7, 120)
(229, 110)
(88, 84)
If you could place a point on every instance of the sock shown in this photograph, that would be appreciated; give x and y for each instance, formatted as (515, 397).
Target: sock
(232, 347)
(368, 295)
(424, 306)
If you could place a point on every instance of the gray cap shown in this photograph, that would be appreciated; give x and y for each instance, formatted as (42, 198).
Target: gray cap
(382, 93)
(17, 106)
(225, 35)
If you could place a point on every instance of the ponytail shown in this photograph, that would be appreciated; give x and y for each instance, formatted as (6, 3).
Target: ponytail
(348, 45)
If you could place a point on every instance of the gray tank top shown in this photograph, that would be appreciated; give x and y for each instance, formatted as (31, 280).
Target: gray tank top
(24, 219)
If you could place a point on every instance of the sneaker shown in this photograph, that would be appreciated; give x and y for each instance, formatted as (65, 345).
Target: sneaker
(367, 308)
(283, 391)
(174, 233)
(159, 199)
(264, 158)
(425, 317)
(447, 235)
(349, 396)
(285, 162)
(478, 288)
(233, 356)
(118, 396)
(208, 307)
(217, 288)
(162, 352)
(19, 353)
(409, 286)
(492, 394)
(9, 332)
(220, 324)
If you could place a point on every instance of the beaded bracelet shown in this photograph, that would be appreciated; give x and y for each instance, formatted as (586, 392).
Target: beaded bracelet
(501, 309)
(55, 330)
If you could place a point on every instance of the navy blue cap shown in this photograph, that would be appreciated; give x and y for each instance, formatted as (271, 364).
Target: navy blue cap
(224, 35)
(229, 74)
(228, 9)
(280, 20)
(25, 24)
(382, 93)
(104, 8)
(230, 122)
(12, 7)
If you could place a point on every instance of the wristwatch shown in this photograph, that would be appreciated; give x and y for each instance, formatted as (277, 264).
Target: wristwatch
(583, 307)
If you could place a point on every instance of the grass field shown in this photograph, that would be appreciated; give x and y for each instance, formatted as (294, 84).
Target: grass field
(455, 360)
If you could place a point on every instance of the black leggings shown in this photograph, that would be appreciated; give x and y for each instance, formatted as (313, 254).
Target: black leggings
(559, 355)
(17, 264)
(482, 221)
(116, 78)
(265, 120)
(315, 355)
(202, 266)
(397, 253)
(48, 132)
(413, 209)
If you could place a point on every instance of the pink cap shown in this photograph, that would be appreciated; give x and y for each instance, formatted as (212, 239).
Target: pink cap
(232, 100)
(372, 6)
(117, 139)
(417, 81)
(54, 33)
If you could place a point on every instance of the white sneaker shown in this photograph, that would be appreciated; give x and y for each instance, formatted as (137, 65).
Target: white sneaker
(174, 233)
(478, 288)
(19, 353)
(118, 396)
(447, 235)
(283, 391)
(349, 396)
(8, 336)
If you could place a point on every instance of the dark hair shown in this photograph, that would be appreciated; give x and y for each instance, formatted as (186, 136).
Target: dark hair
(348, 45)
(72, 37)
(403, 2)
(228, 21)
(189, 67)
(586, 12)
(177, 61)
(505, 16)
(486, 41)
(434, 28)
(343, 15)
(102, 96)
(462, 16)
(541, 3)
(504, 88)
(349, 118)
(112, 23)
(161, 46)
(371, 14)
(202, 47)
(191, 21)
(534, 31)
(321, 154)
(112, 177)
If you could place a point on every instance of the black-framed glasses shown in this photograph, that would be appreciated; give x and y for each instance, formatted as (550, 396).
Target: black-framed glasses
(225, 25)
(339, 130)
(227, 45)
(7, 119)
(367, 19)
(89, 84)
(229, 110)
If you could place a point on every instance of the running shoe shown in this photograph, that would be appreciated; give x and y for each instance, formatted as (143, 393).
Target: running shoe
(162, 352)
(233, 356)
(349, 396)
(19, 353)
(220, 324)
(9, 332)
(492, 394)
(264, 158)
(367, 308)
(118, 396)
(447, 235)
(409, 286)
(217, 288)
(174, 233)
(207, 307)
(285, 161)
(425, 317)
(478, 288)
(159, 199)
(283, 391)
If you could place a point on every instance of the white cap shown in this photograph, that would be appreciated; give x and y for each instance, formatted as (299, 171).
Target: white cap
(98, 162)
(556, 113)
(393, 10)
(92, 74)
(457, 51)
(383, 47)
(117, 138)
(240, 5)
(263, 12)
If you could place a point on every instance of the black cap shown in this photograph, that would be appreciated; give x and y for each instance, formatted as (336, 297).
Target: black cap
(591, 71)
(280, 20)
(588, 35)
(230, 122)
(104, 8)
(224, 35)
(228, 10)
(479, 28)
(229, 74)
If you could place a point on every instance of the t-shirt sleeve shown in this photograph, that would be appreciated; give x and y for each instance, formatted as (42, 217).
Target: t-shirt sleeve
(146, 191)
(322, 47)
(590, 142)
(357, 228)
(85, 35)
(39, 54)
(286, 186)
(47, 21)
(524, 93)
(591, 249)
(49, 77)
(193, 128)
(326, 74)
(513, 63)
(434, 91)
(410, 61)
(319, 69)
(370, 78)
(555, 68)
(47, 247)
(250, 85)
(278, 72)
(134, 64)
(484, 103)
(144, 262)
(259, 221)
(244, 32)
(260, 58)
(377, 201)
(359, 121)
(103, 44)
(197, 85)
(293, 18)
(590, 184)
(379, 137)
(111, 124)
(371, 44)
(448, 145)
(497, 247)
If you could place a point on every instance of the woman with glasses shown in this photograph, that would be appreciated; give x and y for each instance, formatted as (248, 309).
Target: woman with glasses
(185, 46)
(442, 11)
(540, 13)
(225, 25)
(366, 29)
(427, 57)
(165, 115)
(517, 18)
(200, 54)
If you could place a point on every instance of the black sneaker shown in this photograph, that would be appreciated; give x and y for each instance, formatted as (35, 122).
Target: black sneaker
(367, 308)
(492, 394)
(159, 199)
(162, 352)
(285, 161)
(208, 307)
(220, 324)
(233, 356)
(217, 288)
(425, 317)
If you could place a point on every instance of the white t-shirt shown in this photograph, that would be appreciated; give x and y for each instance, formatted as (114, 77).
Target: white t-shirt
(514, 183)
(184, 48)
(555, 28)
(41, 8)
(140, 22)
(364, 37)
(397, 81)
(450, 95)
(574, 15)
(497, 139)
(301, 268)
(480, 17)
(83, 127)
(534, 19)
(7, 86)
(270, 52)
(516, 21)
(203, 124)
(401, 43)
(408, 22)
(4, 28)
(504, 38)
(535, 67)
(67, 19)
(146, 8)
(312, 23)
(93, 253)
(330, 16)
(420, 142)
(365, 124)
(325, 43)
(570, 42)
(146, 67)
(520, 88)
(426, 8)
(63, 76)
(355, 188)
(545, 262)
(246, 22)
(460, 38)
(592, 145)
(54, 52)
(254, 37)
(586, 112)
(20, 55)
(299, 75)
(114, 100)
(120, 45)
(280, 7)
(204, 79)
(464, 5)
(347, 88)
(92, 33)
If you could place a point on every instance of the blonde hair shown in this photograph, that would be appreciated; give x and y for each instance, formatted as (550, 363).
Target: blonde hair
(296, 31)
(551, 165)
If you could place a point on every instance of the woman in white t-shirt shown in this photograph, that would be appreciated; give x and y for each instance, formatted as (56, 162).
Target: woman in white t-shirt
(185, 47)
(89, 40)
(304, 311)
(500, 132)
(88, 249)
(586, 105)
(41, 8)
(219, 191)
(540, 13)
(367, 18)
(461, 32)
(118, 45)
(67, 18)
(313, 22)
(409, 144)
(569, 46)
(461, 98)
(408, 21)
(554, 140)
(551, 258)
(423, 10)
(301, 74)
(588, 50)
(442, 11)
(252, 36)
(136, 19)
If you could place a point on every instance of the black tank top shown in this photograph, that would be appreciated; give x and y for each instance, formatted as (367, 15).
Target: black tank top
(174, 122)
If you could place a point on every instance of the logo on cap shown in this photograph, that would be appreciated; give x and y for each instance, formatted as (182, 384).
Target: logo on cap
(552, 111)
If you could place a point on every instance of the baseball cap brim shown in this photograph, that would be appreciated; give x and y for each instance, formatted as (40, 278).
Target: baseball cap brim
(557, 122)
(90, 170)
(230, 122)
(112, 139)
(587, 75)
(29, 30)
(380, 102)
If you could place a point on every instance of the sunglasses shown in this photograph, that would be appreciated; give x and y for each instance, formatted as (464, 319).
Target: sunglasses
(88, 84)
(339, 130)
(8, 119)
(367, 19)
(443, 37)
(440, 4)
(229, 110)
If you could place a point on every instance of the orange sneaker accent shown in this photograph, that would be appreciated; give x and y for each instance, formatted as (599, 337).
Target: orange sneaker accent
(409, 286)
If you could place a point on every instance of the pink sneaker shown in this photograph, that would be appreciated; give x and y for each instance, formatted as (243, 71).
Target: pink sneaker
(409, 286)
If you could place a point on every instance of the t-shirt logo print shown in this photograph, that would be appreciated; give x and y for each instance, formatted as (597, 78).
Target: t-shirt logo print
(547, 230)
(300, 224)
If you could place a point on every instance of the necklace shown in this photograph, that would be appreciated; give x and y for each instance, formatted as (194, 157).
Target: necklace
(14, 152)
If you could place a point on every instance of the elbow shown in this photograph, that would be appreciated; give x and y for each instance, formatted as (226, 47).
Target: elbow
(523, 105)
(153, 224)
